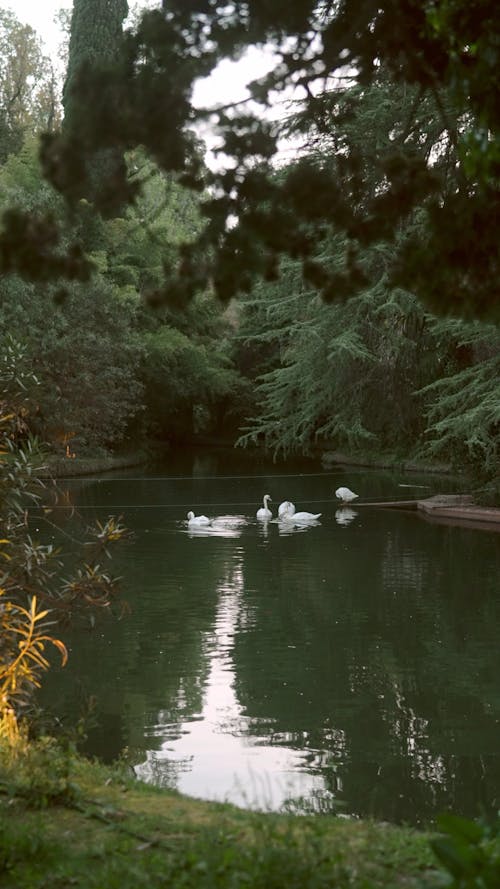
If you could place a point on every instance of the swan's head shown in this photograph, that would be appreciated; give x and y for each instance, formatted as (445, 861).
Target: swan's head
(267, 497)
(190, 516)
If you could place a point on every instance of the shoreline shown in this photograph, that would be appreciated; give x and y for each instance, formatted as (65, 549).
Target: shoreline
(458, 509)
(98, 825)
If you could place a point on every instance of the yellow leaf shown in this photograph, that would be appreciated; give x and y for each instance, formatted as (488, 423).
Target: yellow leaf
(62, 648)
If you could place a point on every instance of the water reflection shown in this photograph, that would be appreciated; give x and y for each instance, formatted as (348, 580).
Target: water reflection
(216, 754)
(263, 531)
(345, 515)
(220, 526)
(286, 528)
(354, 659)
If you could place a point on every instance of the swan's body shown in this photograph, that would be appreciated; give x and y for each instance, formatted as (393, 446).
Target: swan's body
(346, 495)
(197, 521)
(286, 506)
(301, 518)
(298, 518)
(264, 512)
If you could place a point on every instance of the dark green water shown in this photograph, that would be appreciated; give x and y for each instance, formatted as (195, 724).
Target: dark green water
(356, 661)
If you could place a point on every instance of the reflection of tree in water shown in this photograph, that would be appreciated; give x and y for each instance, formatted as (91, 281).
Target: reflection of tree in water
(387, 659)
(163, 772)
(163, 667)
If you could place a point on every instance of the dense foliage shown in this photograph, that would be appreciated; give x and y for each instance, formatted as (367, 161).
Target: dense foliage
(379, 371)
(333, 344)
(112, 369)
(40, 585)
(376, 374)
(446, 53)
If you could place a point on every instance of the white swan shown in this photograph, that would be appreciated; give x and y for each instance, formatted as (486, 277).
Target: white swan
(264, 512)
(197, 521)
(286, 506)
(299, 518)
(346, 495)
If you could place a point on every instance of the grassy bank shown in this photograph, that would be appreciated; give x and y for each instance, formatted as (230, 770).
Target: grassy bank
(67, 822)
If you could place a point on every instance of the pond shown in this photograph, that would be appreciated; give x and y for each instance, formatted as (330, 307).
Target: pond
(348, 666)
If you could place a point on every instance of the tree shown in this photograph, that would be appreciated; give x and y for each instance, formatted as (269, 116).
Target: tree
(191, 384)
(373, 373)
(95, 42)
(95, 37)
(375, 368)
(109, 365)
(446, 51)
(80, 340)
(463, 405)
(27, 85)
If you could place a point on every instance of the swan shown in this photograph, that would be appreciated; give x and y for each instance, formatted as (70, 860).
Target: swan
(286, 506)
(346, 495)
(264, 512)
(289, 515)
(197, 521)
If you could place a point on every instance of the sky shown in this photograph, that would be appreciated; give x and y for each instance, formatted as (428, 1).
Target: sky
(39, 14)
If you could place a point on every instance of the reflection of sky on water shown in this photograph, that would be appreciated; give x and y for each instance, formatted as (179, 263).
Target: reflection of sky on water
(216, 755)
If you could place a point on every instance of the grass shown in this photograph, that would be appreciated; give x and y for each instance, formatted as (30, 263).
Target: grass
(68, 822)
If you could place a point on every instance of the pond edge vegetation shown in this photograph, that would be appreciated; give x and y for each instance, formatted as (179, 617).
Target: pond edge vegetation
(65, 820)
(123, 832)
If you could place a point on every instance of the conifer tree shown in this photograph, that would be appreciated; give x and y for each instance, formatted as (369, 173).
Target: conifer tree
(95, 39)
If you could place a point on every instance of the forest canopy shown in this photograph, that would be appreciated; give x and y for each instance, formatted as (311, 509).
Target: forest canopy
(366, 268)
(445, 54)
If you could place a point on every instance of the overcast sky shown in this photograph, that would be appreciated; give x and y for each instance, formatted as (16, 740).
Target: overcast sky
(39, 14)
